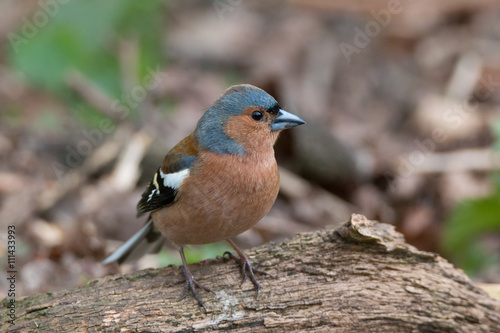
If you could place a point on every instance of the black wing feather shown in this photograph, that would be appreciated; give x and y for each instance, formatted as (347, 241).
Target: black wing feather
(155, 196)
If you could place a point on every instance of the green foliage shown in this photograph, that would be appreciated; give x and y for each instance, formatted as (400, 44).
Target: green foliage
(85, 36)
(469, 222)
(193, 253)
(466, 225)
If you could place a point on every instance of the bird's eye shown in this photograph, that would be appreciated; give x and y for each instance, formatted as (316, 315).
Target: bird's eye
(257, 115)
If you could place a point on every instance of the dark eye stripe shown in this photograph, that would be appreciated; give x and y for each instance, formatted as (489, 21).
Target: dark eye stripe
(274, 109)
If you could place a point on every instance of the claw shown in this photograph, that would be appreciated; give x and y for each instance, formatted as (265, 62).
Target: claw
(191, 284)
(246, 268)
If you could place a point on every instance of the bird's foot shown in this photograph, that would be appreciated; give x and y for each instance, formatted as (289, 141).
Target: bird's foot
(191, 285)
(247, 270)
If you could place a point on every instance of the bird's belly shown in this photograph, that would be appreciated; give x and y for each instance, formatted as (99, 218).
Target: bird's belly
(211, 210)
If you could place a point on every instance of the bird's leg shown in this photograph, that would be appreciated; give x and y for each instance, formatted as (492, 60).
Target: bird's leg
(247, 270)
(191, 283)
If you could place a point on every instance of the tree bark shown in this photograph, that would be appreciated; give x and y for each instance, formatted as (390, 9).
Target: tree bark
(361, 277)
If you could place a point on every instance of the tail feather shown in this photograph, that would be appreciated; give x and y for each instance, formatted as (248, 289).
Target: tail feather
(146, 240)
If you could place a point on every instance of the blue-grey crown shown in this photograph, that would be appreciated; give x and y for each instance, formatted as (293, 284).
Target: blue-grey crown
(210, 129)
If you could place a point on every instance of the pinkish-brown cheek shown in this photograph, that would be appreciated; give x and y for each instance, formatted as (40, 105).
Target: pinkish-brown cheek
(237, 129)
(274, 136)
(250, 134)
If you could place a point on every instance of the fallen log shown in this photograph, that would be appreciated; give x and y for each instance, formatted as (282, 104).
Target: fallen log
(360, 277)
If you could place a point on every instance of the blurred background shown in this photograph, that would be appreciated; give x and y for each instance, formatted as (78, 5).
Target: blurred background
(402, 100)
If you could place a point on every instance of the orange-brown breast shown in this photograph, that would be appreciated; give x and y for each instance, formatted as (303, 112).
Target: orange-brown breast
(222, 197)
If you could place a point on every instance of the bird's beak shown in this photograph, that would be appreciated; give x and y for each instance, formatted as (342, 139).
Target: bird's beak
(285, 120)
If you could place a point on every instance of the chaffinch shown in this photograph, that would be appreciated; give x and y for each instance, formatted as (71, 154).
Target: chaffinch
(216, 183)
